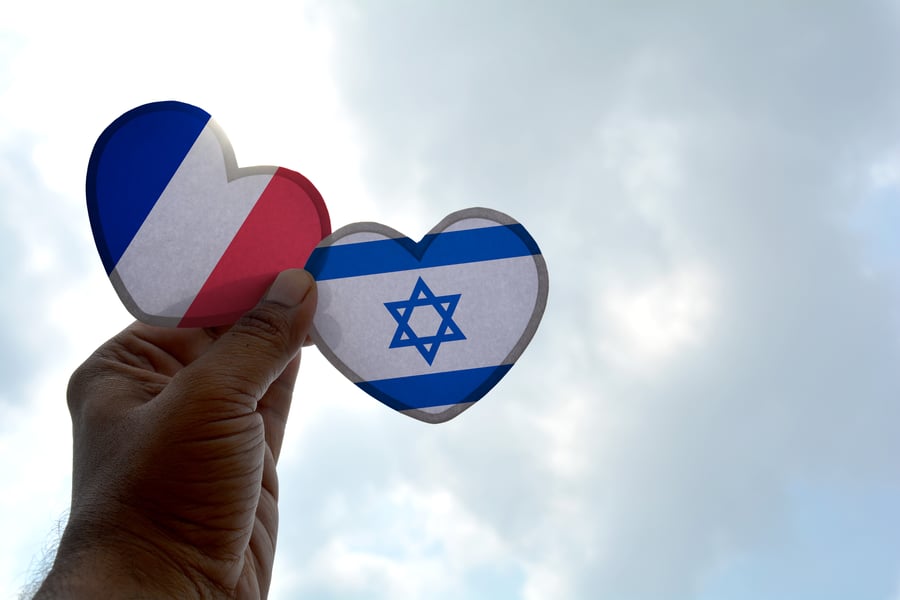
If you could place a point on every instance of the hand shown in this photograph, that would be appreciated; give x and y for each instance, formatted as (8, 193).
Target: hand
(176, 435)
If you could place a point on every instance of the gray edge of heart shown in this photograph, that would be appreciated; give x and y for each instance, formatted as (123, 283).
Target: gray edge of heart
(468, 213)
(231, 169)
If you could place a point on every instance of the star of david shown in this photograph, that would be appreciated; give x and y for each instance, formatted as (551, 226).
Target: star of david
(428, 345)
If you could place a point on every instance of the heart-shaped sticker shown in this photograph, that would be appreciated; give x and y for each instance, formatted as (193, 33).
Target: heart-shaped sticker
(187, 238)
(429, 328)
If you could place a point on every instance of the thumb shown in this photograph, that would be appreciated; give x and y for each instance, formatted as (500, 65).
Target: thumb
(241, 365)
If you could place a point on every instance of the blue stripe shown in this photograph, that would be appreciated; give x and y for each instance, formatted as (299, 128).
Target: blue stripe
(131, 165)
(435, 389)
(435, 250)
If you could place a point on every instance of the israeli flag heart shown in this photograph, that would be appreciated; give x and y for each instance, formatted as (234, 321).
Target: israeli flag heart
(429, 328)
(187, 238)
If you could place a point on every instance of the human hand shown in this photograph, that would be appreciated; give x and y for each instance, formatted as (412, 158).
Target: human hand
(176, 435)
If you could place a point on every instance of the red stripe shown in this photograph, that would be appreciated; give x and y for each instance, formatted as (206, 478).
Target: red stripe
(280, 232)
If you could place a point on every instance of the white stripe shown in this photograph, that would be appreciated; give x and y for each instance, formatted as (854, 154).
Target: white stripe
(497, 302)
(187, 231)
(470, 223)
(359, 237)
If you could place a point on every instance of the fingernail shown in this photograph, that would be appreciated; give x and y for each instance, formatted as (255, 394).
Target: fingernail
(290, 287)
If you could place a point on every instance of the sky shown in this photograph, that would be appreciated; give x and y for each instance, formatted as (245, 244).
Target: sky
(710, 408)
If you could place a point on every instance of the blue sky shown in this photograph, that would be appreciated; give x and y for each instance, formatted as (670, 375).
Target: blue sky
(711, 407)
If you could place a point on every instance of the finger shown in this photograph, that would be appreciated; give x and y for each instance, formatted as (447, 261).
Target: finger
(275, 405)
(242, 364)
(265, 530)
(133, 366)
(164, 349)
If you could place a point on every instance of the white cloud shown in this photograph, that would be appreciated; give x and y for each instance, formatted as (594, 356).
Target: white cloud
(656, 320)
(424, 544)
(885, 173)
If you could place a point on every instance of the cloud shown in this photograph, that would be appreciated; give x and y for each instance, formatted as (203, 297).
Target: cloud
(712, 338)
(43, 264)
(41, 256)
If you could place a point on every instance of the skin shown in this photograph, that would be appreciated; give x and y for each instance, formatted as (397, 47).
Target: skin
(176, 436)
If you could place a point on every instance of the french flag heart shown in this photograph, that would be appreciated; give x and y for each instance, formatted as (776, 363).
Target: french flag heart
(187, 238)
(429, 328)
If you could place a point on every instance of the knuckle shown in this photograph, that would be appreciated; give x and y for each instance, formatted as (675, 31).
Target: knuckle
(79, 384)
(240, 390)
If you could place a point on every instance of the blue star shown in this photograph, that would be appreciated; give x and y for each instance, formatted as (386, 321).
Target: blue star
(447, 331)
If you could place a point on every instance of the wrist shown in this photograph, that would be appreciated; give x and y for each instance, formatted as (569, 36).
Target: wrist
(121, 566)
